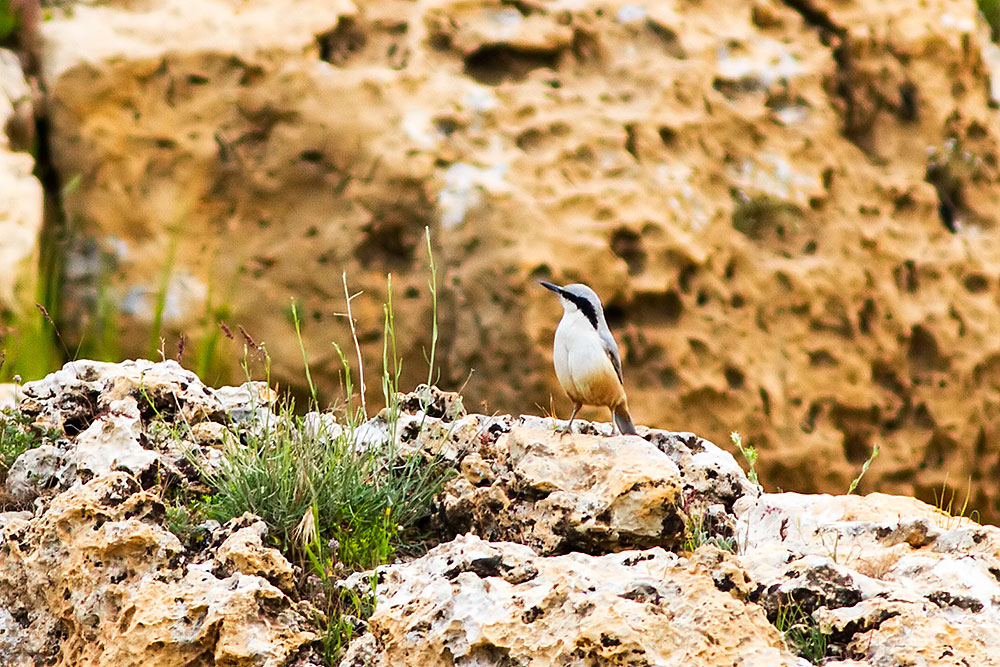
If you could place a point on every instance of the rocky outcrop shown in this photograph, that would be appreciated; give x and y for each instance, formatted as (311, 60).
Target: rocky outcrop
(95, 579)
(891, 580)
(819, 174)
(523, 480)
(551, 548)
(90, 574)
(471, 602)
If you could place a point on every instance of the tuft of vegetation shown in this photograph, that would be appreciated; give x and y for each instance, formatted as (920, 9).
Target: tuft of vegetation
(802, 633)
(951, 515)
(697, 533)
(312, 481)
(16, 437)
(338, 494)
(750, 456)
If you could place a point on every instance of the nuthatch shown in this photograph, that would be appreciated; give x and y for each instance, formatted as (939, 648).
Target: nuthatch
(586, 356)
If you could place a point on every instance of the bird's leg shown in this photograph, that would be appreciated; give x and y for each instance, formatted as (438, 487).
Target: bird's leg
(569, 426)
(614, 425)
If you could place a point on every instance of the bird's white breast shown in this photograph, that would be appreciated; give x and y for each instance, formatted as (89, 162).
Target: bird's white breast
(582, 365)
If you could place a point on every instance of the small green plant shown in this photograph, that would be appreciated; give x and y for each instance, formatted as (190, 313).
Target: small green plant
(801, 632)
(16, 437)
(432, 285)
(750, 456)
(159, 307)
(30, 345)
(697, 533)
(864, 469)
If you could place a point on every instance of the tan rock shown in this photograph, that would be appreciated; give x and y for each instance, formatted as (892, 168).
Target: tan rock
(890, 579)
(556, 494)
(73, 396)
(244, 552)
(474, 602)
(95, 580)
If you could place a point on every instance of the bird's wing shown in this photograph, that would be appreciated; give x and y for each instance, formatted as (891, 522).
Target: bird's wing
(612, 349)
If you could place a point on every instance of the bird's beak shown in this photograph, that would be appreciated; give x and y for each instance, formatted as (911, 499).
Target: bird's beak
(555, 288)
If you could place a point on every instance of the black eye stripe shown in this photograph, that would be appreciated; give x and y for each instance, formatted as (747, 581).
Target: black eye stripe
(585, 307)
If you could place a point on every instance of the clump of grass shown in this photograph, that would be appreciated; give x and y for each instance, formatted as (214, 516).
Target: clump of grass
(801, 632)
(864, 469)
(750, 456)
(16, 437)
(364, 498)
(697, 533)
(953, 514)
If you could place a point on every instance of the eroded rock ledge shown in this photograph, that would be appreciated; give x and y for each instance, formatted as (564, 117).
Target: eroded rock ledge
(574, 549)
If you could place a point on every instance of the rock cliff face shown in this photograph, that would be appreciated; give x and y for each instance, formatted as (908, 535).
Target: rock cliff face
(577, 550)
(789, 207)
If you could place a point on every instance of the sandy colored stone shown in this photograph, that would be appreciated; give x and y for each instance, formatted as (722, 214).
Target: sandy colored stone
(94, 579)
(90, 576)
(522, 479)
(892, 580)
(244, 552)
(470, 602)
(70, 398)
(575, 493)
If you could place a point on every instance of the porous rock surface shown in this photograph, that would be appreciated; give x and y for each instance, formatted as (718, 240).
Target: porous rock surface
(471, 602)
(525, 480)
(886, 580)
(90, 575)
(554, 548)
(820, 174)
(892, 580)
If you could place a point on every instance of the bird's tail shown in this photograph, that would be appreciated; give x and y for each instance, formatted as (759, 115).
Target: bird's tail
(623, 420)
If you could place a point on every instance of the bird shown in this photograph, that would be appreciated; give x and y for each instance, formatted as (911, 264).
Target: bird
(586, 357)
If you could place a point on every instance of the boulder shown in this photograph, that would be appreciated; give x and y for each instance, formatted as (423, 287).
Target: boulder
(889, 579)
(472, 602)
(95, 579)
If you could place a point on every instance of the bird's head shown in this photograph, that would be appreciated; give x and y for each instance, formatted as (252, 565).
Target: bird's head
(579, 297)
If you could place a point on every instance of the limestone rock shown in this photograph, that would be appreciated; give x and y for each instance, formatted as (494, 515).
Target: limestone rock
(73, 396)
(244, 552)
(471, 602)
(523, 480)
(95, 580)
(558, 494)
(128, 416)
(891, 580)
